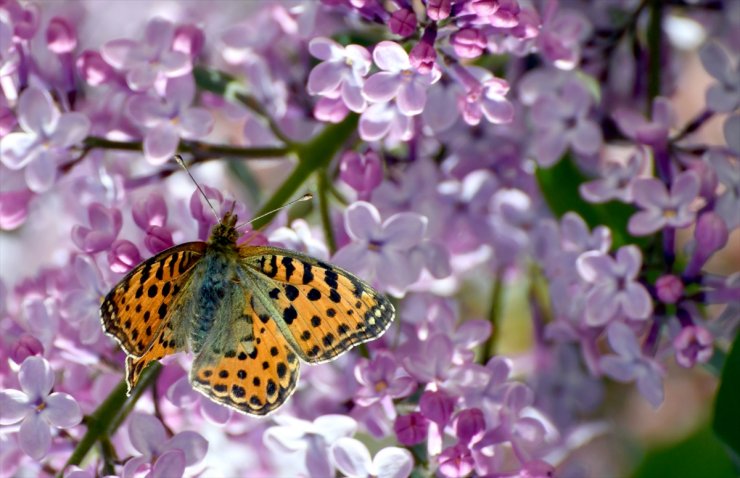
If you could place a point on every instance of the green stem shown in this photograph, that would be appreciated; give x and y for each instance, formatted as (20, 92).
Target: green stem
(196, 148)
(654, 39)
(494, 316)
(312, 156)
(323, 186)
(106, 419)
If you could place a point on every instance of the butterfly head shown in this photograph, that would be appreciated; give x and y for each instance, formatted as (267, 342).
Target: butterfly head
(225, 232)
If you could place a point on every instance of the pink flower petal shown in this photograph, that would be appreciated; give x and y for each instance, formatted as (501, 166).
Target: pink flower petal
(37, 112)
(161, 143)
(324, 77)
(18, 149)
(362, 221)
(382, 87)
(390, 56)
(34, 436)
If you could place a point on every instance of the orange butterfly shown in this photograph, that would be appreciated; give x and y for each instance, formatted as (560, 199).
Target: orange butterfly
(248, 313)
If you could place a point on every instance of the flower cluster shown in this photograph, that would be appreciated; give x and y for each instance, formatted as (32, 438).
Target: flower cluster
(464, 155)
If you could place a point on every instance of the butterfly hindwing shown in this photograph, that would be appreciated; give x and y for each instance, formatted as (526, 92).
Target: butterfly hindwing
(321, 309)
(134, 311)
(246, 365)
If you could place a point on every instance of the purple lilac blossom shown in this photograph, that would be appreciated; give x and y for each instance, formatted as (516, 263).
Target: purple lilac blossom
(36, 408)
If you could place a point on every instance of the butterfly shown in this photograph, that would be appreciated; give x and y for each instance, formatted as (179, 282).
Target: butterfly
(249, 314)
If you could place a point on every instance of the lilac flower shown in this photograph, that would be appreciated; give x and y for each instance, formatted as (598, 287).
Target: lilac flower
(651, 133)
(724, 96)
(411, 429)
(380, 251)
(456, 462)
(170, 118)
(617, 180)
(353, 459)
(80, 304)
(314, 439)
(485, 95)
(341, 73)
(36, 408)
(629, 364)
(105, 224)
(614, 291)
(363, 172)
(151, 61)
(694, 344)
(561, 34)
(161, 455)
(562, 121)
(299, 237)
(661, 208)
(385, 119)
(397, 80)
(439, 9)
(45, 142)
(381, 378)
(150, 214)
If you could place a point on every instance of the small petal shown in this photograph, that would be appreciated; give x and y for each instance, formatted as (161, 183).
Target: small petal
(71, 129)
(393, 462)
(601, 305)
(161, 143)
(62, 410)
(685, 188)
(382, 87)
(196, 122)
(41, 173)
(37, 112)
(14, 405)
(636, 301)
(351, 457)
(404, 230)
(36, 378)
(170, 464)
(390, 56)
(192, 444)
(644, 223)
(34, 436)
(411, 98)
(325, 48)
(497, 111)
(362, 221)
(18, 149)
(146, 433)
(324, 78)
(587, 138)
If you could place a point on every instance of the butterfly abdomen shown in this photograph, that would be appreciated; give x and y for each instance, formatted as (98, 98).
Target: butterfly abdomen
(216, 278)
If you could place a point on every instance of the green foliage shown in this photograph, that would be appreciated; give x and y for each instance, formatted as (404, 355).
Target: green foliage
(700, 455)
(559, 185)
(727, 405)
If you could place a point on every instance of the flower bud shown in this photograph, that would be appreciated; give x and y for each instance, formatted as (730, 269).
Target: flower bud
(693, 344)
(439, 9)
(469, 423)
(711, 233)
(411, 429)
(402, 22)
(123, 256)
(363, 172)
(669, 289)
(437, 406)
(61, 36)
(26, 346)
(93, 69)
(189, 39)
(468, 42)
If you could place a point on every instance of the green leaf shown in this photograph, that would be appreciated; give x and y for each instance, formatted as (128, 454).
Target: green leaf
(559, 185)
(699, 455)
(727, 405)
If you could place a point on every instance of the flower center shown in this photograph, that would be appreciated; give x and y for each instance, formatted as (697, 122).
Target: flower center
(380, 386)
(41, 406)
(375, 245)
(669, 213)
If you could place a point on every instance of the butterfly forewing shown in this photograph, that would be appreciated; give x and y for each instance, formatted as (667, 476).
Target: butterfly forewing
(321, 310)
(134, 311)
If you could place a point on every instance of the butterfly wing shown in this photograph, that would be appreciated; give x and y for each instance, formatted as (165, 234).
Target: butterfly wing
(321, 310)
(134, 311)
(245, 364)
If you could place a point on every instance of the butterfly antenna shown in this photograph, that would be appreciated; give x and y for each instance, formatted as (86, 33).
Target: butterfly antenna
(180, 161)
(305, 197)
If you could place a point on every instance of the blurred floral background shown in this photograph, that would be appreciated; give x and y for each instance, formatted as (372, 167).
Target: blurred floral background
(548, 191)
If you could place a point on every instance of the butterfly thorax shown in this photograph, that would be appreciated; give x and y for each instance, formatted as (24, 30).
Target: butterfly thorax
(224, 234)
